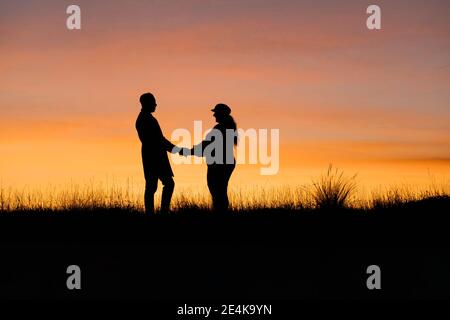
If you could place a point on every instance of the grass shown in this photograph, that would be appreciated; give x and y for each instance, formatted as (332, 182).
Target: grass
(332, 191)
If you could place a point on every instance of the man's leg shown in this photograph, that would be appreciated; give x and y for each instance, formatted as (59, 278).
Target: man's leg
(151, 185)
(167, 192)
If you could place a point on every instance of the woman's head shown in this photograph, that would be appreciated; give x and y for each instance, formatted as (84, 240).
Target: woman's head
(222, 113)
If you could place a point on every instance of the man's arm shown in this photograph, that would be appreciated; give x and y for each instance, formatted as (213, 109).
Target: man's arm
(169, 146)
(165, 143)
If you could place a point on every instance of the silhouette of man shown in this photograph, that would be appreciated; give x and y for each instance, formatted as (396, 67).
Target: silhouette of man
(154, 155)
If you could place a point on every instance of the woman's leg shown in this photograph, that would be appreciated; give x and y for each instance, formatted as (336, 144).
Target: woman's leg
(218, 177)
(212, 178)
(227, 175)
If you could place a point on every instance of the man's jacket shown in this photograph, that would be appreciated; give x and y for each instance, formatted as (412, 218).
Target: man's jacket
(154, 146)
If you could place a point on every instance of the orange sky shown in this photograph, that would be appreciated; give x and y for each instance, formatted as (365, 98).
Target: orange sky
(372, 102)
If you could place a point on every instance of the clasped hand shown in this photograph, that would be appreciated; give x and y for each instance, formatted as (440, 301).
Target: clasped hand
(184, 152)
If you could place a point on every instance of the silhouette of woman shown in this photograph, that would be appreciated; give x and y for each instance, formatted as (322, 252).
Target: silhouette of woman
(218, 148)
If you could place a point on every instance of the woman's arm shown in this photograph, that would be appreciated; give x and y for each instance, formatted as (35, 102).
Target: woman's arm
(198, 149)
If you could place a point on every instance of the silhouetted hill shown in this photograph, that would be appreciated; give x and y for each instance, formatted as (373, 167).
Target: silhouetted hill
(263, 254)
(399, 224)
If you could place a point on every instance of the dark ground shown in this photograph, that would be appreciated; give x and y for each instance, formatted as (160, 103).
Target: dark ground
(197, 256)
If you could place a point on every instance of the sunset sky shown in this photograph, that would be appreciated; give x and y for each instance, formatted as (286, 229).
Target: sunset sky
(376, 103)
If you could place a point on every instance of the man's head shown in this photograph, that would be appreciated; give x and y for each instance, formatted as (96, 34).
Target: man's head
(148, 102)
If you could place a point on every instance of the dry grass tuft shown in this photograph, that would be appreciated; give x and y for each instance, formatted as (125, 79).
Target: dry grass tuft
(334, 190)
